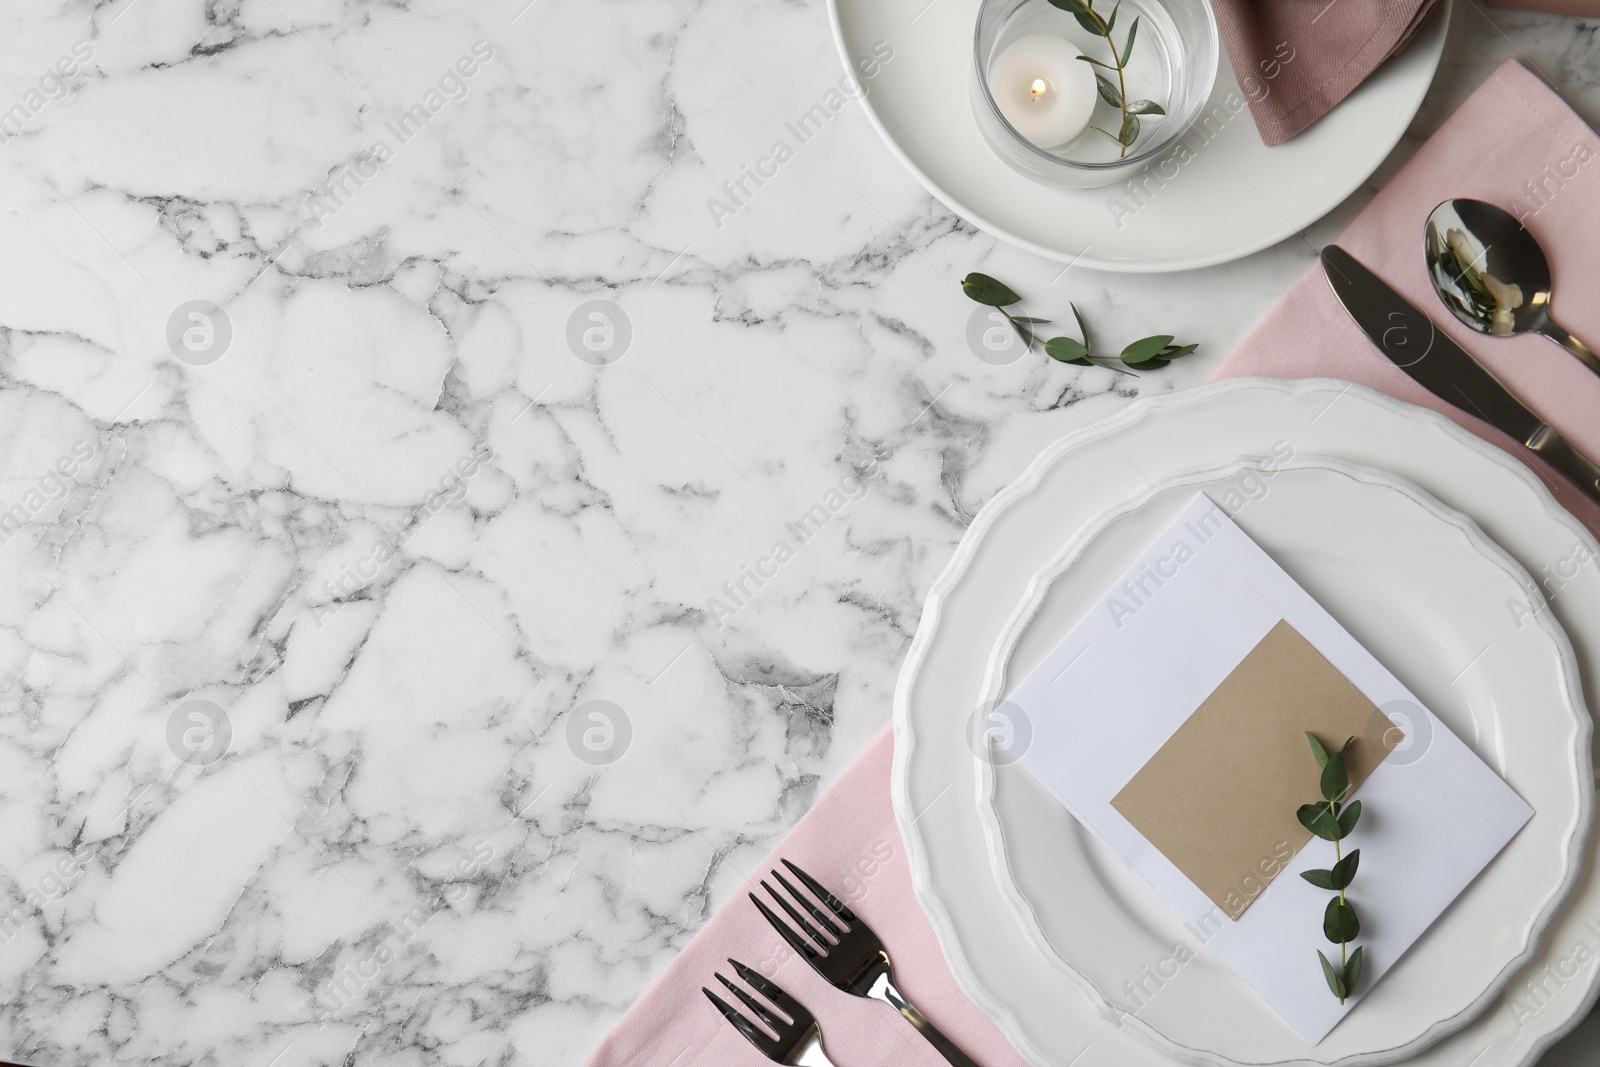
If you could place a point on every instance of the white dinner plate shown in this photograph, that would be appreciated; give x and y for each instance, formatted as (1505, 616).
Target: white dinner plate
(1422, 589)
(937, 783)
(1225, 197)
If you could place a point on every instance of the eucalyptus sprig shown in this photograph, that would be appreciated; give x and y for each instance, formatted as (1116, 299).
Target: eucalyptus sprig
(1115, 94)
(1148, 352)
(1333, 821)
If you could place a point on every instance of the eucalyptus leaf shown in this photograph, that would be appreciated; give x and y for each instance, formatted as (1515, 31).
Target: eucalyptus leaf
(1320, 879)
(985, 290)
(1112, 21)
(1146, 348)
(1096, 62)
(1083, 327)
(1335, 778)
(1130, 129)
(1317, 750)
(1177, 351)
(1067, 350)
(1111, 364)
(1320, 821)
(1339, 922)
(1026, 318)
(1352, 973)
(1335, 983)
(1127, 49)
(1344, 872)
(1146, 107)
(1348, 819)
(1023, 332)
(1109, 91)
(1087, 19)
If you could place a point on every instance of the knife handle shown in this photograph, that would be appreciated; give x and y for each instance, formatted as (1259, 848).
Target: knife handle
(1566, 458)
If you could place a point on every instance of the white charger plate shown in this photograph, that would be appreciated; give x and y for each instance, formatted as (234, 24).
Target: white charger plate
(1425, 591)
(937, 781)
(1230, 197)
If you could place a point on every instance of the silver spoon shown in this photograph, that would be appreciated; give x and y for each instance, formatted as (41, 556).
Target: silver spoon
(1492, 275)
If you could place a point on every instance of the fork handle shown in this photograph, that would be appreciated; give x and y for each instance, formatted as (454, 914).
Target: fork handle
(810, 1055)
(884, 989)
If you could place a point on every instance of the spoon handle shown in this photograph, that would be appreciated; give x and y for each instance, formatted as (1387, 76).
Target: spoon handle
(1560, 335)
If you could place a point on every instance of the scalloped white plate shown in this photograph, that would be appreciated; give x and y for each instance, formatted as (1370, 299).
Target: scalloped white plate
(1422, 588)
(1228, 196)
(937, 781)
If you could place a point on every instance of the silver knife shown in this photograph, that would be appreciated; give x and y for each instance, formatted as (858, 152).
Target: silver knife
(1411, 342)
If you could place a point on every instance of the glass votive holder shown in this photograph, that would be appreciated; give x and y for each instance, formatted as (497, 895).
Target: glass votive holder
(1173, 63)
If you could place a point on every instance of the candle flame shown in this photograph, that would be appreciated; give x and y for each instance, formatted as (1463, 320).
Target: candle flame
(1039, 87)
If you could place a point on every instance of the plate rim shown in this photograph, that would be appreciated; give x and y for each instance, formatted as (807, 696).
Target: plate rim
(1574, 835)
(932, 616)
(1433, 35)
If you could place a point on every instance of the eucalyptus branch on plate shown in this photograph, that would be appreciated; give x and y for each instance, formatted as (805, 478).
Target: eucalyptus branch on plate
(1113, 93)
(1334, 821)
(1148, 352)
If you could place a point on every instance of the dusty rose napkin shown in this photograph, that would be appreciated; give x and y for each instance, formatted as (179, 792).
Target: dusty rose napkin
(1296, 59)
(850, 843)
(1513, 142)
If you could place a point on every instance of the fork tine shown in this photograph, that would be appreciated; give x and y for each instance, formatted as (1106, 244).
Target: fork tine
(814, 911)
(796, 942)
(756, 1037)
(761, 1011)
(785, 1003)
(834, 904)
(799, 920)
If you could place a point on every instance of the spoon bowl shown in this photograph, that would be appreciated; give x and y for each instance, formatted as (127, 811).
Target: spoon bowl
(1493, 274)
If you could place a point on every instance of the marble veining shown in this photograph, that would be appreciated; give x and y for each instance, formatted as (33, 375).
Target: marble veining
(397, 663)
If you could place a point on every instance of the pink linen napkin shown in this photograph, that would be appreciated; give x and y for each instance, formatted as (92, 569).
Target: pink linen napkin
(1515, 143)
(850, 843)
(1296, 59)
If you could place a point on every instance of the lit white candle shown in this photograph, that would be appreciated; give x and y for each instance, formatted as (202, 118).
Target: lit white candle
(1043, 89)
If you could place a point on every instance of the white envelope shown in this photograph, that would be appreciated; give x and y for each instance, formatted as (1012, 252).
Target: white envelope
(1205, 606)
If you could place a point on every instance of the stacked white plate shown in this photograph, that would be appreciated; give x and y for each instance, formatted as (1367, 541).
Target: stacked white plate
(1423, 541)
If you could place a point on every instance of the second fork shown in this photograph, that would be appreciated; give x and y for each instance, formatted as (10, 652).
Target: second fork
(850, 957)
(795, 1038)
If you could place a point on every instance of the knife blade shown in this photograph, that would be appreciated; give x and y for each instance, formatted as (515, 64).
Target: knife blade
(1411, 341)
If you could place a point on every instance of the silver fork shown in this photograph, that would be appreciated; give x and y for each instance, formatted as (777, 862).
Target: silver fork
(799, 1038)
(854, 960)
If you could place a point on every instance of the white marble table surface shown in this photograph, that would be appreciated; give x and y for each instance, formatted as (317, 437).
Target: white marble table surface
(358, 544)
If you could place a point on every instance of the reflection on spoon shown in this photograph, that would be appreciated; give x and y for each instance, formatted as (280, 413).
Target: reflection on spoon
(1502, 298)
(1492, 274)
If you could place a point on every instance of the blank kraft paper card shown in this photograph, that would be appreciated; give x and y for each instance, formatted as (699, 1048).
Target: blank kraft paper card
(1241, 765)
